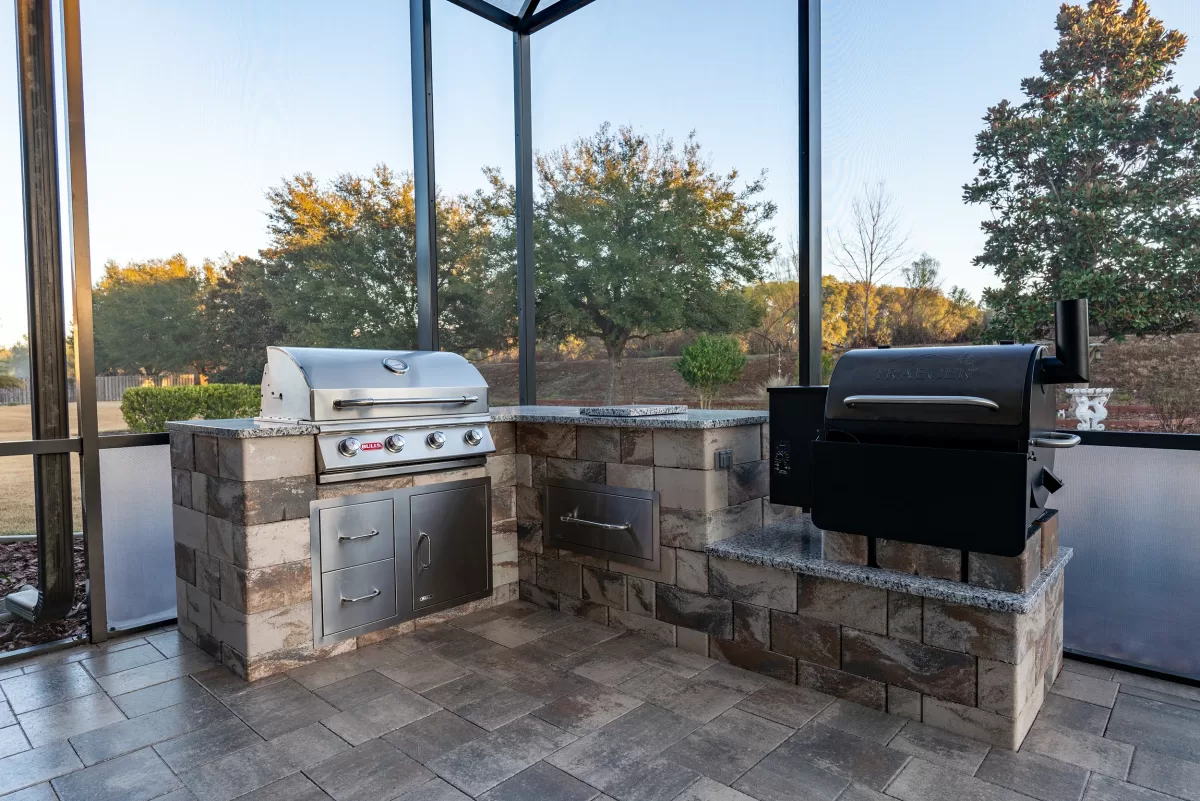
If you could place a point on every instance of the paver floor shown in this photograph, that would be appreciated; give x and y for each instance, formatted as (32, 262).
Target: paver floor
(520, 703)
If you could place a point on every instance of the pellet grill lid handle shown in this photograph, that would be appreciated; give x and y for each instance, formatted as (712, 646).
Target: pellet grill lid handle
(348, 403)
(923, 400)
(1057, 439)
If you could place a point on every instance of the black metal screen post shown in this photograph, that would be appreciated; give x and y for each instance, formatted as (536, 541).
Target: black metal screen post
(809, 267)
(424, 182)
(85, 364)
(47, 323)
(526, 299)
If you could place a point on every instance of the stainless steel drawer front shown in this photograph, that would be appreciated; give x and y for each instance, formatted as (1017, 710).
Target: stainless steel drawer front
(613, 522)
(356, 534)
(358, 595)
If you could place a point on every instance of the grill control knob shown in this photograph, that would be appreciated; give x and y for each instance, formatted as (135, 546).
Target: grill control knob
(473, 436)
(350, 446)
(436, 440)
(394, 443)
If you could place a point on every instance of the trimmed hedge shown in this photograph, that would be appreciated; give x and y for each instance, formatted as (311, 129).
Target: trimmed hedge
(147, 409)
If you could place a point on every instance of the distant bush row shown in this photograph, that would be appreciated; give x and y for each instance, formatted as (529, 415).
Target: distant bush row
(147, 409)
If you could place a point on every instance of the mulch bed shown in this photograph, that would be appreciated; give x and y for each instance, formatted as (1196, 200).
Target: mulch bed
(19, 567)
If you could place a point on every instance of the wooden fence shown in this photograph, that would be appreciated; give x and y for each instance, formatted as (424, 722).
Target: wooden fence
(108, 387)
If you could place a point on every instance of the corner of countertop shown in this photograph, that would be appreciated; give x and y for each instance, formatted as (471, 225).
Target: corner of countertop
(241, 428)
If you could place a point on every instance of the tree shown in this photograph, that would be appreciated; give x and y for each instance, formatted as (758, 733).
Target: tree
(1093, 182)
(147, 317)
(869, 251)
(636, 237)
(710, 363)
(239, 323)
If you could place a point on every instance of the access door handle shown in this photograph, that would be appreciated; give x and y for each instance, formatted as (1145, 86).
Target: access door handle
(348, 538)
(346, 600)
(428, 550)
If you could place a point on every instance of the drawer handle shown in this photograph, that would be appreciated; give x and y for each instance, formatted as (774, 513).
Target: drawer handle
(596, 524)
(346, 600)
(345, 538)
(428, 550)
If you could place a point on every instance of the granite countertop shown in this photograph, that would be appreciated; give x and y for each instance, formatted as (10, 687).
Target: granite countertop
(570, 415)
(242, 428)
(798, 545)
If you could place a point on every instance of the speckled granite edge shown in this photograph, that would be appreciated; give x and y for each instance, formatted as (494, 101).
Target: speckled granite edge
(569, 415)
(244, 428)
(797, 545)
(633, 410)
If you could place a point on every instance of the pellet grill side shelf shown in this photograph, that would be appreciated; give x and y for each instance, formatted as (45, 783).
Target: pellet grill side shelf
(351, 567)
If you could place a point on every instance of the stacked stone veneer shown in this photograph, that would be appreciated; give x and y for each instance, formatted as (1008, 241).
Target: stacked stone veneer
(242, 546)
(971, 670)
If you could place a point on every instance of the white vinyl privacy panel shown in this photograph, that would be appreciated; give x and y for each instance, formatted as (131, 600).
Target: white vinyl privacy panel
(1133, 587)
(139, 547)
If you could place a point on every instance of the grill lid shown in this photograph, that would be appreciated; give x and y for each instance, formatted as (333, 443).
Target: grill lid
(345, 384)
(982, 385)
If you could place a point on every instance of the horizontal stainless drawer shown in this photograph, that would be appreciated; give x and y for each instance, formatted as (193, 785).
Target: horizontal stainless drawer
(358, 595)
(356, 534)
(617, 523)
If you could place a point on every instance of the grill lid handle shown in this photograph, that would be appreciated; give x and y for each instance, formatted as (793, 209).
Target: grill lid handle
(1057, 439)
(923, 400)
(348, 403)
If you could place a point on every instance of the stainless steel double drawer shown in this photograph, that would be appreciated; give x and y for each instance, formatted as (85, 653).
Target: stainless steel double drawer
(616, 523)
(381, 558)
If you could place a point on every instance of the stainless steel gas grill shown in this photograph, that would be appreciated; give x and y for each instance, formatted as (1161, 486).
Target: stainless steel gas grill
(380, 412)
(946, 446)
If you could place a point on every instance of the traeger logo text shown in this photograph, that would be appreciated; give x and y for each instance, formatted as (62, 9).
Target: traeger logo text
(921, 374)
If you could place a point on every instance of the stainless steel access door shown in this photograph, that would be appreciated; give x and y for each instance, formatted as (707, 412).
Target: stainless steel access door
(450, 544)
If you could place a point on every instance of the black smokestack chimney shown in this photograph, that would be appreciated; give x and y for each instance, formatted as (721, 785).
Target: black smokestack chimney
(1070, 362)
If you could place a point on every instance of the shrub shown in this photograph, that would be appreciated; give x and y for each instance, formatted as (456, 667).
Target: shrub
(147, 409)
(710, 363)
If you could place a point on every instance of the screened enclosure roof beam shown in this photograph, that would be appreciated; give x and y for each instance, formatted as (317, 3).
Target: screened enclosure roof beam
(489, 12)
(527, 7)
(552, 14)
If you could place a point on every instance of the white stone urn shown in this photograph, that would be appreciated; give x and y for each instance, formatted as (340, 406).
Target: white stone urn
(1090, 406)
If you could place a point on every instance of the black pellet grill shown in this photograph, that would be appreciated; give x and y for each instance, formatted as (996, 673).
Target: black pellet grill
(946, 446)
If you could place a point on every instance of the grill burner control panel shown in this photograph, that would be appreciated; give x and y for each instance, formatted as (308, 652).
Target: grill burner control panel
(361, 450)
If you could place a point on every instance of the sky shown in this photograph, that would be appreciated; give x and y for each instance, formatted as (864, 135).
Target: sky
(196, 107)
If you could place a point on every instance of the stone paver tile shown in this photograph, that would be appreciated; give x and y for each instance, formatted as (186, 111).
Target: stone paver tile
(104, 663)
(508, 632)
(426, 638)
(191, 750)
(734, 678)
(12, 741)
(856, 792)
(483, 763)
(139, 776)
(603, 756)
(41, 792)
(1088, 669)
(548, 684)
(1155, 695)
(7, 718)
(464, 690)
(1097, 754)
(705, 789)
(115, 739)
(861, 721)
(306, 747)
(541, 781)
(159, 696)
(374, 771)
(1103, 788)
(56, 658)
(1127, 679)
(1167, 728)
(604, 669)
(171, 644)
(584, 712)
(679, 662)
(156, 672)
(653, 779)
(296, 787)
(728, 746)
(580, 636)
(940, 747)
(435, 790)
(1067, 713)
(279, 708)
(787, 704)
(234, 775)
(432, 736)
(357, 690)
(780, 777)
(462, 651)
(695, 698)
(49, 686)
(376, 718)
(222, 683)
(61, 721)
(1166, 774)
(1033, 775)
(343, 666)
(925, 781)
(498, 709)
(37, 765)
(1100, 692)
(423, 672)
(858, 760)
